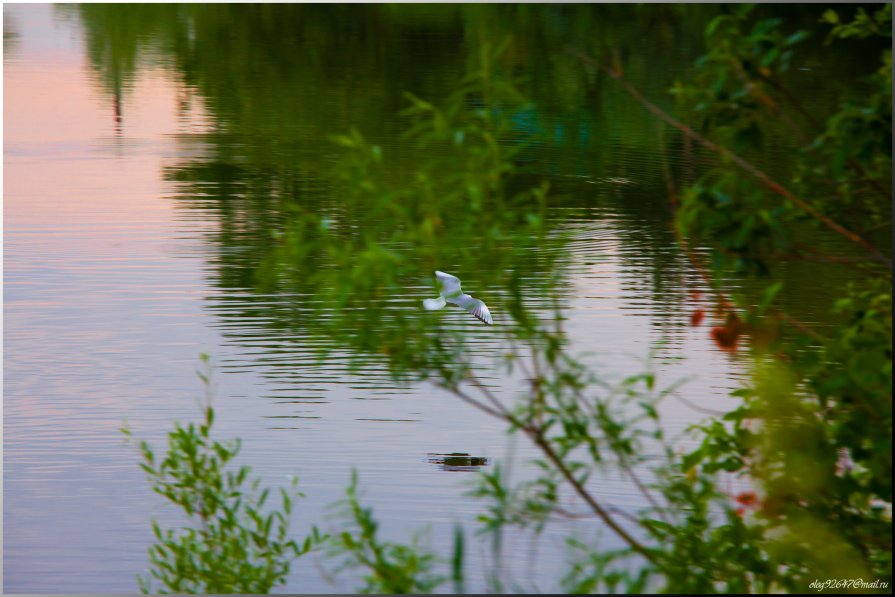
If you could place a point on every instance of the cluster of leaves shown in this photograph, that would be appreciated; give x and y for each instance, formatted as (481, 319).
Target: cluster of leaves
(836, 177)
(855, 145)
(394, 568)
(233, 544)
(691, 537)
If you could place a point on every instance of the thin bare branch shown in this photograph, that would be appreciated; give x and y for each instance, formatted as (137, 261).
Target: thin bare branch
(498, 405)
(696, 407)
(469, 400)
(599, 510)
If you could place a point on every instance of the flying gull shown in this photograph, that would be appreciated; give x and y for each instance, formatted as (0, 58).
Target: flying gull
(451, 293)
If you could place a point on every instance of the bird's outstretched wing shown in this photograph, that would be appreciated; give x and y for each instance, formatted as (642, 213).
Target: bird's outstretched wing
(450, 285)
(475, 306)
(481, 311)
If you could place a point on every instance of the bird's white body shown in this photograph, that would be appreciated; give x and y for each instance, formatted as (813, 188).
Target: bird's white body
(451, 293)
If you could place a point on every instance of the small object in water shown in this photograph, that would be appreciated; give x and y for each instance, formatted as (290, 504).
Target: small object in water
(451, 293)
(458, 461)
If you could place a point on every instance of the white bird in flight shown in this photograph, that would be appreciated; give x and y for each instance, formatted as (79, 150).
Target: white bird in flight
(451, 293)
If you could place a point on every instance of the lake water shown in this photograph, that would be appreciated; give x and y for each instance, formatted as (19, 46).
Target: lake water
(138, 196)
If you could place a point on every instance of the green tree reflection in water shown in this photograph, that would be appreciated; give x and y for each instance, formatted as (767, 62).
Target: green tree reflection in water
(288, 77)
(278, 80)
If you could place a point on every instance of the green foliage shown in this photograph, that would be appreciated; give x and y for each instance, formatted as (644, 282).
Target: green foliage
(234, 543)
(839, 168)
(863, 25)
(395, 569)
(814, 431)
(594, 570)
(825, 455)
(854, 149)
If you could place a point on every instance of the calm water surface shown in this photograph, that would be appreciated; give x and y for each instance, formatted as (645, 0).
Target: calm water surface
(133, 223)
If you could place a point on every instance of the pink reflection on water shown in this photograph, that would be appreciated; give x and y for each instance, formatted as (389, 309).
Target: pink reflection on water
(57, 117)
(89, 228)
